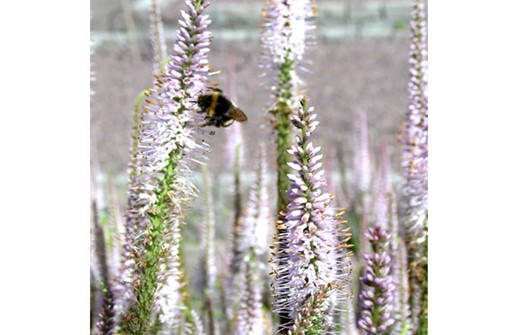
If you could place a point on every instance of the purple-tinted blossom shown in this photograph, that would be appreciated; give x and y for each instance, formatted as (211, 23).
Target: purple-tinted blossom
(376, 296)
(166, 142)
(284, 35)
(415, 134)
(166, 128)
(414, 160)
(308, 234)
(285, 28)
(170, 107)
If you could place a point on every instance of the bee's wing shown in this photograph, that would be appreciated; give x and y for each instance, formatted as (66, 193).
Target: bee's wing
(238, 115)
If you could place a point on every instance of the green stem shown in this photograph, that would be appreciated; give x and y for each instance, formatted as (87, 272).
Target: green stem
(139, 318)
(284, 130)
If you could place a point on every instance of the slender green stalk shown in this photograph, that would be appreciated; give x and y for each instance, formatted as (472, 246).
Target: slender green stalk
(138, 319)
(166, 144)
(286, 28)
(282, 112)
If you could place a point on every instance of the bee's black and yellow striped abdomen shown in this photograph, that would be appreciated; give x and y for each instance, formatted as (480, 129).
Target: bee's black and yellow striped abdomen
(220, 111)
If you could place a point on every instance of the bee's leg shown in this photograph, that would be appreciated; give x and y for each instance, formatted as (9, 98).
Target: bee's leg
(209, 122)
(215, 89)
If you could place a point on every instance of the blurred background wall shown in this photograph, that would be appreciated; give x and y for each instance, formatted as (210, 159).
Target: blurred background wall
(359, 61)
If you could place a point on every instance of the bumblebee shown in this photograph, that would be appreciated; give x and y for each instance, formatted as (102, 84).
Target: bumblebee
(220, 110)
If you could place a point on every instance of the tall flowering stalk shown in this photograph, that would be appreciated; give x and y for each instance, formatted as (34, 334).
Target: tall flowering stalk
(414, 165)
(157, 38)
(105, 324)
(234, 136)
(361, 185)
(234, 153)
(135, 222)
(208, 266)
(252, 242)
(237, 215)
(376, 295)
(250, 316)
(286, 28)
(398, 269)
(234, 259)
(362, 159)
(108, 249)
(382, 186)
(308, 239)
(165, 142)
